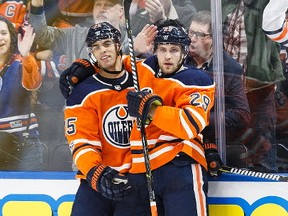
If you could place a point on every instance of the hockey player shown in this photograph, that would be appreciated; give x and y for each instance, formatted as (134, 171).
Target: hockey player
(176, 151)
(98, 128)
(187, 95)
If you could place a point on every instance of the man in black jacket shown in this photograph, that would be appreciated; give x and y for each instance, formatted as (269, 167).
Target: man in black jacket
(237, 112)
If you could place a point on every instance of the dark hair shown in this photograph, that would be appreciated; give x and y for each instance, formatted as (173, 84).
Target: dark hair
(204, 18)
(14, 37)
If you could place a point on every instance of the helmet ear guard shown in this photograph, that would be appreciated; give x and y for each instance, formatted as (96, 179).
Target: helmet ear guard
(185, 51)
(92, 58)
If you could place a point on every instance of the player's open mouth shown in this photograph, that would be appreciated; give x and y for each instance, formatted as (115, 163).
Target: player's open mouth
(105, 58)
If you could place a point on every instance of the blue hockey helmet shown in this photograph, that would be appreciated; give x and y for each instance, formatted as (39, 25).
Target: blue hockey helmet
(101, 31)
(172, 32)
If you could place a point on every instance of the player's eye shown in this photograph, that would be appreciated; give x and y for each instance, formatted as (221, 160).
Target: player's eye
(107, 44)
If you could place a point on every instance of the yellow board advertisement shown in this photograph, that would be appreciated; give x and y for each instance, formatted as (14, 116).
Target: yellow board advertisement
(52, 193)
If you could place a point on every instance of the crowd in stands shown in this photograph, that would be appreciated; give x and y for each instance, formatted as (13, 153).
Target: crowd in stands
(255, 72)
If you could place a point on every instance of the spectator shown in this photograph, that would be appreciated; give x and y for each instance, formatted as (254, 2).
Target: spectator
(202, 5)
(49, 106)
(275, 26)
(14, 11)
(281, 100)
(19, 76)
(150, 12)
(186, 10)
(237, 112)
(77, 12)
(52, 14)
(108, 10)
(245, 40)
(274, 21)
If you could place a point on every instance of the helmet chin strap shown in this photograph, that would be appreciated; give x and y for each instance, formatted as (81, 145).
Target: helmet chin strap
(91, 55)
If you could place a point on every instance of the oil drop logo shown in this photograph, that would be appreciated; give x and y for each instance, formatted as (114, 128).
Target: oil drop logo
(117, 126)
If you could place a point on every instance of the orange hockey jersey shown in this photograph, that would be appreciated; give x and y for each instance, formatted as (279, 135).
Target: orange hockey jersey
(14, 11)
(187, 97)
(98, 125)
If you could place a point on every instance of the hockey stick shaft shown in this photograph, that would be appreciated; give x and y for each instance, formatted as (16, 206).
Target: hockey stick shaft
(127, 4)
(262, 175)
(148, 173)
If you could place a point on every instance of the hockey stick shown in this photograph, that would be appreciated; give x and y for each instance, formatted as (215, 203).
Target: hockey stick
(140, 124)
(262, 175)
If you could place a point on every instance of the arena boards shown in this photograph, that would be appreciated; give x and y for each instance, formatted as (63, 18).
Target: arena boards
(41, 193)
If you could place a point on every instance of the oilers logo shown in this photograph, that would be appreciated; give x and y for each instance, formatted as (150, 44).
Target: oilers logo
(117, 126)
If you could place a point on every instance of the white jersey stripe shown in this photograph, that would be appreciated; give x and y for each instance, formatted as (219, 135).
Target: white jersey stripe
(198, 191)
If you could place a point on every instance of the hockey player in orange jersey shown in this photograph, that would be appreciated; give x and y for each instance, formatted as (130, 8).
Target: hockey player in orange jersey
(98, 128)
(187, 95)
(173, 133)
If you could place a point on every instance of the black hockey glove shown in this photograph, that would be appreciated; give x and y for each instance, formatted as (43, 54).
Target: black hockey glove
(141, 103)
(76, 73)
(109, 182)
(213, 159)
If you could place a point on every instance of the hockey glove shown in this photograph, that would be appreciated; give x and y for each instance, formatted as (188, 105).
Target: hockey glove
(213, 159)
(109, 182)
(76, 73)
(141, 104)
